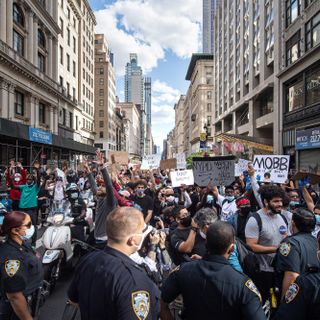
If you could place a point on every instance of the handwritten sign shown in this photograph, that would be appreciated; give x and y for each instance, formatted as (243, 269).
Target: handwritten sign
(119, 157)
(276, 165)
(241, 166)
(184, 177)
(218, 170)
(151, 162)
(181, 160)
(168, 164)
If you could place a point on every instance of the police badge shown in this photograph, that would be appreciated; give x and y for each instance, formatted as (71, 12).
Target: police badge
(251, 286)
(141, 304)
(285, 249)
(291, 292)
(12, 267)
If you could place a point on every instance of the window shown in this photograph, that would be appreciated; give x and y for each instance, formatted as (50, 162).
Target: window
(19, 103)
(101, 71)
(101, 113)
(61, 3)
(74, 45)
(313, 86)
(61, 81)
(61, 55)
(76, 121)
(295, 95)
(100, 124)
(313, 32)
(209, 107)
(68, 13)
(101, 81)
(64, 116)
(308, 2)
(68, 62)
(68, 36)
(41, 62)
(293, 49)
(68, 88)
(18, 43)
(209, 94)
(74, 93)
(74, 68)
(292, 10)
(18, 15)
(41, 39)
(101, 92)
(71, 120)
(101, 102)
(61, 26)
(42, 113)
(101, 134)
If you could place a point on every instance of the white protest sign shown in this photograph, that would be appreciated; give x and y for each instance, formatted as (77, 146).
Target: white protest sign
(178, 178)
(181, 160)
(151, 162)
(241, 166)
(218, 170)
(277, 166)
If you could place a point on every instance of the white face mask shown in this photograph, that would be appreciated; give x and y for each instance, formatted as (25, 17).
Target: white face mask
(202, 234)
(29, 233)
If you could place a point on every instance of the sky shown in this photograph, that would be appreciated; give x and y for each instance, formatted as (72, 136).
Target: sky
(164, 34)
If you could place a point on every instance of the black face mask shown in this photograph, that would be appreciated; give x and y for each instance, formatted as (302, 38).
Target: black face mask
(186, 222)
(245, 211)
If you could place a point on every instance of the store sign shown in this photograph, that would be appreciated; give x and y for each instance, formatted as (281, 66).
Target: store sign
(308, 139)
(40, 136)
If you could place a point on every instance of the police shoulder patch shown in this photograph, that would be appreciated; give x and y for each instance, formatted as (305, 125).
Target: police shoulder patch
(292, 292)
(251, 286)
(12, 267)
(141, 304)
(285, 249)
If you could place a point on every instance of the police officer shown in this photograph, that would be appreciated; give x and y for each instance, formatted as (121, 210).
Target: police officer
(302, 299)
(211, 288)
(108, 284)
(298, 251)
(21, 270)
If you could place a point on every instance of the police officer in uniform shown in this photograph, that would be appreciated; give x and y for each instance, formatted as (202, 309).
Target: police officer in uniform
(109, 285)
(302, 299)
(21, 270)
(297, 252)
(211, 288)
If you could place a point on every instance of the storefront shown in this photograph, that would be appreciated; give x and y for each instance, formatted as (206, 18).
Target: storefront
(27, 144)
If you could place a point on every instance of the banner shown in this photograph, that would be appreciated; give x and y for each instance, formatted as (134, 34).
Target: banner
(181, 160)
(151, 162)
(308, 139)
(241, 166)
(119, 157)
(179, 178)
(168, 164)
(277, 166)
(40, 136)
(218, 170)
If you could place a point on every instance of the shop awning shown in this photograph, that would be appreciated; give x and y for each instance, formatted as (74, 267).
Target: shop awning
(252, 142)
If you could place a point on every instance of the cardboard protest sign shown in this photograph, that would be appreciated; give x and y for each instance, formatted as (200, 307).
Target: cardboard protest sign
(151, 162)
(181, 160)
(240, 166)
(218, 170)
(184, 177)
(120, 157)
(168, 164)
(276, 165)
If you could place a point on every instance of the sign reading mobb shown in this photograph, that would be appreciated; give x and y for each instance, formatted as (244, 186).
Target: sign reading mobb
(40, 136)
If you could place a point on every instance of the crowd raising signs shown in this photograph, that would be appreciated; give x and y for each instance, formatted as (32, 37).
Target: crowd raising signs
(151, 162)
(218, 170)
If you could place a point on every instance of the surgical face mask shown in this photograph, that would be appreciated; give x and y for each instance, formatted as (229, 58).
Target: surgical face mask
(317, 219)
(29, 233)
(294, 203)
(230, 198)
(209, 198)
(186, 221)
(202, 234)
(140, 192)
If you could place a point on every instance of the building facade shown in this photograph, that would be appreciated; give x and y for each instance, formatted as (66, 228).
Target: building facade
(208, 13)
(147, 108)
(179, 124)
(299, 85)
(105, 96)
(247, 62)
(30, 95)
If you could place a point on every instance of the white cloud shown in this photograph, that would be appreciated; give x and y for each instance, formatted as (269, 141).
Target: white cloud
(149, 28)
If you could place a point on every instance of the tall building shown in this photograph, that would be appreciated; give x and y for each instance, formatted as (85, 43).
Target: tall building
(208, 13)
(179, 109)
(104, 96)
(147, 107)
(30, 93)
(247, 63)
(299, 87)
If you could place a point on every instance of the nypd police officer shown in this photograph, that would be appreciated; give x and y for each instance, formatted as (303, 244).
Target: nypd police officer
(109, 285)
(21, 270)
(211, 288)
(297, 252)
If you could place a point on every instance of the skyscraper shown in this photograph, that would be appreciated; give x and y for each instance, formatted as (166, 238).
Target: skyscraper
(209, 9)
(147, 99)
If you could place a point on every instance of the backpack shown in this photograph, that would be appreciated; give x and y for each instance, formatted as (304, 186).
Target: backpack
(247, 259)
(256, 215)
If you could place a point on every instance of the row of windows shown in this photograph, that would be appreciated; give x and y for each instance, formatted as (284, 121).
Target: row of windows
(74, 68)
(74, 40)
(293, 9)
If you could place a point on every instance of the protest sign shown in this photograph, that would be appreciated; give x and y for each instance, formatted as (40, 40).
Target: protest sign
(119, 157)
(241, 166)
(151, 162)
(168, 164)
(218, 170)
(184, 177)
(181, 160)
(276, 165)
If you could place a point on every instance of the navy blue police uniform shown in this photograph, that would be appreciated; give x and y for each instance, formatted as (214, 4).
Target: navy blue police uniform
(109, 285)
(302, 299)
(212, 289)
(21, 271)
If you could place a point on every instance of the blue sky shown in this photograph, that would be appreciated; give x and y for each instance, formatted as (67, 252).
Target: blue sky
(164, 34)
